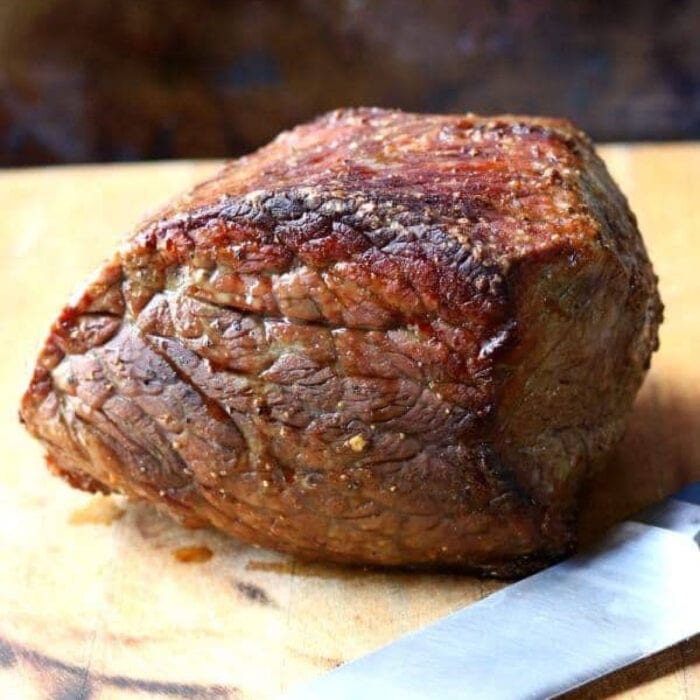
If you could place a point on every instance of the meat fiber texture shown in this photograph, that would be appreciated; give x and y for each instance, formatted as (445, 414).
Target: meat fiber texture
(384, 338)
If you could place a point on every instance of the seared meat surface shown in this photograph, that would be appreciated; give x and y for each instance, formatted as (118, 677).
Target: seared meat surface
(384, 338)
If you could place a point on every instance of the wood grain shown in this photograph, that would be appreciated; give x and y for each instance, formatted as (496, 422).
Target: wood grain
(96, 605)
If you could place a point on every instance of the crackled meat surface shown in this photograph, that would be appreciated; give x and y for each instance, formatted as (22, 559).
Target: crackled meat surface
(384, 338)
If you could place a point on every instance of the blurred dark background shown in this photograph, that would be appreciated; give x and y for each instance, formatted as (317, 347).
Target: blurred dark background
(109, 80)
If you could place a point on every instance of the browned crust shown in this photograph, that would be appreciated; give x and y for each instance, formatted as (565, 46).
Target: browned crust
(326, 348)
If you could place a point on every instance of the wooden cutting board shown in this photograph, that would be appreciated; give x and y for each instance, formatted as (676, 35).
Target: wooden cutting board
(93, 601)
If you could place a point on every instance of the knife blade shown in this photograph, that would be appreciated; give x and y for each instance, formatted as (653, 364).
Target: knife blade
(636, 592)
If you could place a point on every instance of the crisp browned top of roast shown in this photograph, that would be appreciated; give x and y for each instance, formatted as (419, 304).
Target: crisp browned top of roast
(384, 337)
(510, 183)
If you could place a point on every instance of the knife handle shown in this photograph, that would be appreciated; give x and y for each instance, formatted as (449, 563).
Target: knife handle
(691, 494)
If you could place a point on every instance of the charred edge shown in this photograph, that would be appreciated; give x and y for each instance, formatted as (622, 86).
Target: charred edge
(273, 208)
(501, 478)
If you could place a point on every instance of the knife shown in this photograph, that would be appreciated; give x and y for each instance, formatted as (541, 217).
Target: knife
(636, 592)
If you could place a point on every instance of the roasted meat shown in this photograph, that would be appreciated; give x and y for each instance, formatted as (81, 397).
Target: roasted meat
(384, 338)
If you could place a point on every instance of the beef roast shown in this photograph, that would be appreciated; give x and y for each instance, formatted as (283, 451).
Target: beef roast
(384, 338)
